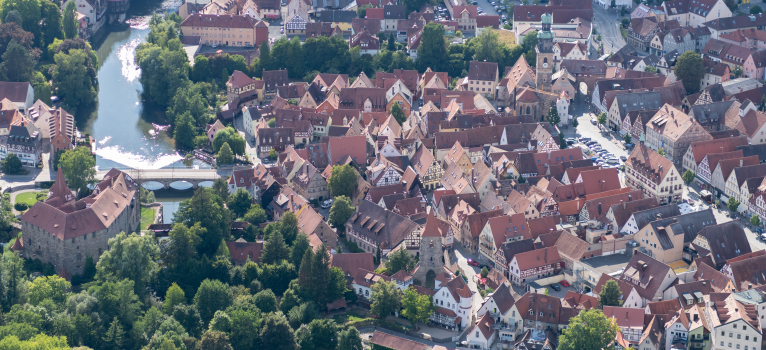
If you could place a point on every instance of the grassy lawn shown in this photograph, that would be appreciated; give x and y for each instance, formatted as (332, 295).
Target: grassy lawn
(147, 217)
(28, 197)
(506, 36)
(351, 316)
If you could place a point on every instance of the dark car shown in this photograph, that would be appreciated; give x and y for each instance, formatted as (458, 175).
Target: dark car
(555, 287)
(623, 158)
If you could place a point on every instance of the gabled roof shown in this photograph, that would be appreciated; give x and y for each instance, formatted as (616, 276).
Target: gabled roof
(537, 258)
(726, 241)
(645, 274)
(350, 263)
(718, 281)
(623, 211)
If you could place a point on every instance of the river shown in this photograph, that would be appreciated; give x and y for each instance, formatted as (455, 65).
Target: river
(129, 132)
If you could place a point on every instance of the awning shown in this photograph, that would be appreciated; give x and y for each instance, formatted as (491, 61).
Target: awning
(705, 193)
(742, 208)
(623, 132)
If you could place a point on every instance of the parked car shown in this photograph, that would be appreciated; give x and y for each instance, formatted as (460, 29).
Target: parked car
(585, 139)
(328, 203)
(564, 283)
(593, 121)
(473, 262)
(623, 158)
(555, 287)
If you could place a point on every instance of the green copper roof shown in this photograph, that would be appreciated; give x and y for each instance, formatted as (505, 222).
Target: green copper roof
(547, 18)
(544, 35)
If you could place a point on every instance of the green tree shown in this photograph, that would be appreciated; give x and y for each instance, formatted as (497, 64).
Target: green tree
(627, 138)
(272, 154)
(181, 248)
(240, 202)
(190, 99)
(201, 69)
(590, 329)
(350, 339)
(400, 260)
(70, 21)
(391, 44)
(385, 298)
(11, 164)
(115, 336)
(264, 58)
(690, 70)
(553, 116)
(213, 340)
(72, 80)
(184, 132)
(53, 287)
(432, 49)
(396, 111)
(276, 333)
(78, 166)
(755, 10)
(266, 301)
(688, 176)
(361, 12)
(602, 119)
(416, 307)
(13, 16)
(661, 151)
(117, 299)
(650, 69)
(41, 87)
(206, 208)
(130, 257)
(275, 249)
(212, 295)
(342, 209)
(732, 204)
(487, 47)
(255, 215)
(300, 245)
(174, 296)
(221, 188)
(610, 294)
(343, 180)
(18, 63)
(225, 156)
(40, 341)
(755, 220)
(528, 44)
(737, 71)
(484, 272)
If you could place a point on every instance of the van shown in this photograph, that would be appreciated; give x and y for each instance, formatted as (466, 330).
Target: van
(328, 203)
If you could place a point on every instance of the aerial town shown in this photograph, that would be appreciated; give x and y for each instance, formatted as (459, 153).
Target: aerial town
(383, 174)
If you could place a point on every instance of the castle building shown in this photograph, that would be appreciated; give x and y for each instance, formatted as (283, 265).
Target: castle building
(65, 231)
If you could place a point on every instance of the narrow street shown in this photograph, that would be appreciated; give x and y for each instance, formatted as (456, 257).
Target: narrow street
(607, 24)
(462, 257)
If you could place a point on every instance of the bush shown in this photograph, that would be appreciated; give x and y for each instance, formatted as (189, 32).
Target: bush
(21, 206)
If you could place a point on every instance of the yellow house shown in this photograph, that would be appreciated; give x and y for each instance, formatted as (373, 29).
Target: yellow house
(458, 155)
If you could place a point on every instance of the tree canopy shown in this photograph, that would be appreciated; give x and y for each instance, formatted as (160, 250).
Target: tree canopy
(690, 70)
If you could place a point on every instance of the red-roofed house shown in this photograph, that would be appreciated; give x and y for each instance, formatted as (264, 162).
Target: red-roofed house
(530, 266)
(241, 251)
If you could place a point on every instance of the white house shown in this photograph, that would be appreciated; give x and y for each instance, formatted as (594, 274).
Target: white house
(483, 334)
(456, 297)
(562, 107)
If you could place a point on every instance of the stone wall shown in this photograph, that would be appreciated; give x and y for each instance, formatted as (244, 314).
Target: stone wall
(71, 254)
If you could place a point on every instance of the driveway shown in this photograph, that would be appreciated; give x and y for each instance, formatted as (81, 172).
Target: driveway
(608, 141)
(607, 25)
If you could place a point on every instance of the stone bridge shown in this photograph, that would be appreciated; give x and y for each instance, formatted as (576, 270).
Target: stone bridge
(165, 177)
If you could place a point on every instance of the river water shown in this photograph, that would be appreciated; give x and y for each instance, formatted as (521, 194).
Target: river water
(129, 132)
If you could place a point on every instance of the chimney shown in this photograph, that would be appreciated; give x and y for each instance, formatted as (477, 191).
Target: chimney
(630, 198)
(599, 209)
(623, 205)
(740, 162)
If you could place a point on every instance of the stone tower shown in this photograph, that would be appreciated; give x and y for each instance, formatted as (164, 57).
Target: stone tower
(431, 251)
(544, 51)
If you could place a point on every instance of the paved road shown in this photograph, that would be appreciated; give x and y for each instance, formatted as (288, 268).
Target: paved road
(607, 25)
(462, 256)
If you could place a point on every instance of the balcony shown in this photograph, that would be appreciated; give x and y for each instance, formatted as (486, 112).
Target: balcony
(503, 326)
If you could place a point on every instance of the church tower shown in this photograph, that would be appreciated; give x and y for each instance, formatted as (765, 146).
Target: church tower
(431, 261)
(544, 51)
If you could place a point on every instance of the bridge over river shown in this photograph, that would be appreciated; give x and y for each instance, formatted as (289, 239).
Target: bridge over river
(165, 177)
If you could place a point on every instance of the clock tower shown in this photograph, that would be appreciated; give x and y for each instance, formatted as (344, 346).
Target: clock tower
(544, 52)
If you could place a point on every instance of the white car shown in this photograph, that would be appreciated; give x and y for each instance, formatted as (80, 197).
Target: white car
(328, 203)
